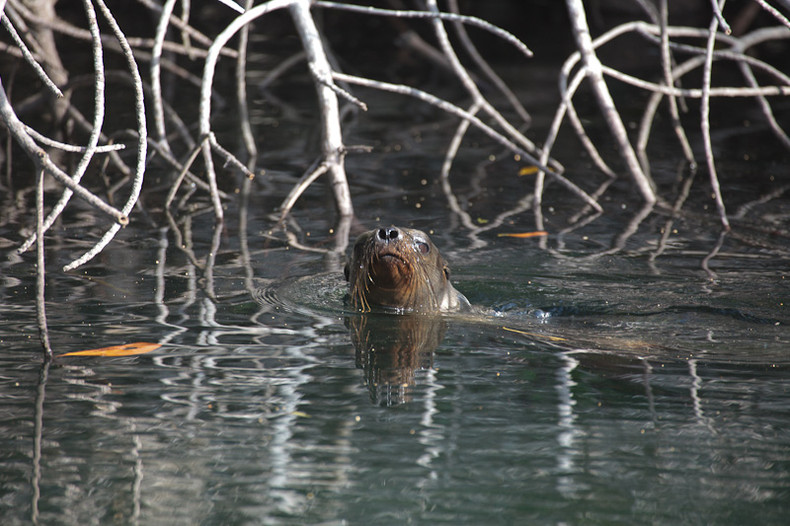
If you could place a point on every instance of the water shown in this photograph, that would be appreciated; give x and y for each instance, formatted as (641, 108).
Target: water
(605, 379)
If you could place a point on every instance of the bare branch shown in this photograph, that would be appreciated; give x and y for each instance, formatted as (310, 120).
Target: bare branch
(595, 74)
(449, 17)
(705, 119)
(28, 56)
(455, 110)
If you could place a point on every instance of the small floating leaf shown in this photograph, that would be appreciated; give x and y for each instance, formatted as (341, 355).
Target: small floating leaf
(528, 170)
(535, 335)
(537, 233)
(481, 221)
(130, 349)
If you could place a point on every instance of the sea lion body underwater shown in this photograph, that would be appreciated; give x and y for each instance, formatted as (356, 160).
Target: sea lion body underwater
(400, 268)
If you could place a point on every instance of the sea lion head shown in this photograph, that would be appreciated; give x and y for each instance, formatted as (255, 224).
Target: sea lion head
(400, 268)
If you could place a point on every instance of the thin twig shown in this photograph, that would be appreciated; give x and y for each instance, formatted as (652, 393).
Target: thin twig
(666, 66)
(472, 88)
(697, 93)
(41, 159)
(705, 122)
(449, 156)
(142, 140)
(567, 92)
(486, 68)
(184, 26)
(156, 84)
(298, 189)
(60, 26)
(241, 92)
(98, 120)
(455, 110)
(52, 143)
(327, 82)
(41, 309)
(28, 56)
(717, 6)
(229, 157)
(774, 12)
(449, 17)
(183, 171)
(208, 79)
(740, 45)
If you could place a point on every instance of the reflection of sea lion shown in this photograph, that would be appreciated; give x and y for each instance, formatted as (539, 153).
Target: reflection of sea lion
(390, 349)
(400, 268)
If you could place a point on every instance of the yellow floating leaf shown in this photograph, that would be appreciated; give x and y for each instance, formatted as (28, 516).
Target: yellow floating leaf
(537, 233)
(481, 221)
(534, 335)
(528, 170)
(130, 349)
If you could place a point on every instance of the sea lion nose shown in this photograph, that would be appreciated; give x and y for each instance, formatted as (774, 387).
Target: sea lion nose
(388, 234)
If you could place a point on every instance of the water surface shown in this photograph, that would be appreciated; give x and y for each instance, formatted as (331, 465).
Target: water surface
(609, 377)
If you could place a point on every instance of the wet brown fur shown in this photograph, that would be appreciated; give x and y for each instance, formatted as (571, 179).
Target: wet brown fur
(405, 272)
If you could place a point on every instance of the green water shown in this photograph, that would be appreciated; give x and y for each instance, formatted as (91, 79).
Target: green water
(607, 378)
(666, 401)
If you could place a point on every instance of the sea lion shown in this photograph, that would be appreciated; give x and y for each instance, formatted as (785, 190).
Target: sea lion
(400, 268)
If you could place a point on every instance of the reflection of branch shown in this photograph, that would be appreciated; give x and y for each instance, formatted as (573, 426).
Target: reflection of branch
(746, 207)
(713, 253)
(668, 226)
(38, 432)
(211, 258)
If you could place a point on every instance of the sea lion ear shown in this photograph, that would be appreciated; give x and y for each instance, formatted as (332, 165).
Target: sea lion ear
(446, 271)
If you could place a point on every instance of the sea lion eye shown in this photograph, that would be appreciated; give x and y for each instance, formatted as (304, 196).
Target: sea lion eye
(423, 247)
